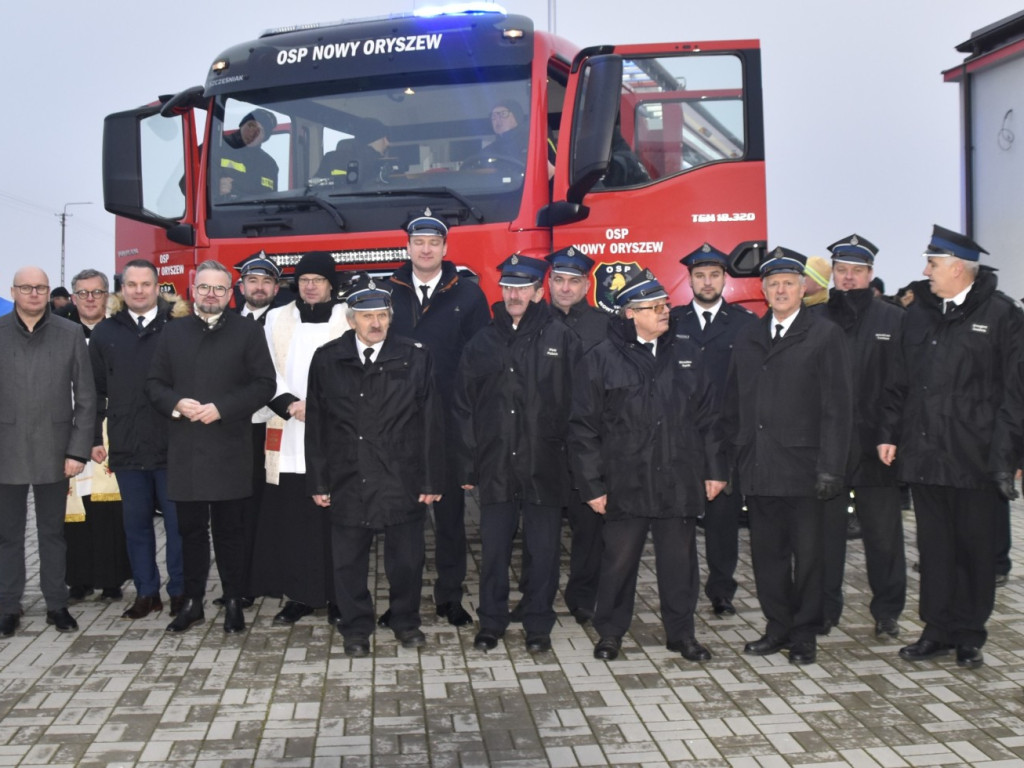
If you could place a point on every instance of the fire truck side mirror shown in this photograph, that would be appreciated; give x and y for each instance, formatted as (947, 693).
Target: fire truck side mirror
(593, 123)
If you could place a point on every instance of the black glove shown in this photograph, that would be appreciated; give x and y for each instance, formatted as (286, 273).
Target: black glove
(828, 486)
(1005, 485)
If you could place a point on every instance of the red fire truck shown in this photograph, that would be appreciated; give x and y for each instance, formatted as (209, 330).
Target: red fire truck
(635, 154)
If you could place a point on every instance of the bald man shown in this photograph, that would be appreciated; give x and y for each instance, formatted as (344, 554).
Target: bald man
(47, 409)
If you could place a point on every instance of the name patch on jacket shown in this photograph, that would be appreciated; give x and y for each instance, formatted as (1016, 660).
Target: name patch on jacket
(978, 328)
(883, 336)
(685, 363)
(551, 352)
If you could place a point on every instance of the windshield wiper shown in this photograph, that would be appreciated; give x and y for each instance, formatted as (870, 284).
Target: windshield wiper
(427, 191)
(319, 202)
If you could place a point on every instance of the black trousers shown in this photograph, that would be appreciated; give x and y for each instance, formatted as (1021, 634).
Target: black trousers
(721, 542)
(450, 548)
(51, 501)
(956, 535)
(1003, 538)
(584, 555)
(404, 553)
(675, 558)
(196, 519)
(542, 527)
(787, 545)
(881, 524)
(254, 503)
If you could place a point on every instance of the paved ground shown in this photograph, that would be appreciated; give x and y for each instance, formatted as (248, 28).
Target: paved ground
(125, 693)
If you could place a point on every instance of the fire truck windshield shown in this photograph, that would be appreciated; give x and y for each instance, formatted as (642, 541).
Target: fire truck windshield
(368, 150)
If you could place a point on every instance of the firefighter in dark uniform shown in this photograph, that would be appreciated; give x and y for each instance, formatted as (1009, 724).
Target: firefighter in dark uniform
(512, 401)
(375, 457)
(872, 327)
(645, 447)
(712, 323)
(955, 412)
(433, 304)
(244, 169)
(568, 283)
(788, 410)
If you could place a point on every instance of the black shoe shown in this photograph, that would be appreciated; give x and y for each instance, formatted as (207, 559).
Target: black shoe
(143, 606)
(486, 640)
(607, 648)
(411, 638)
(110, 594)
(923, 650)
(826, 626)
(177, 603)
(8, 623)
(357, 647)
(334, 615)
(218, 601)
(887, 627)
(765, 645)
(190, 614)
(292, 612)
(455, 613)
(690, 649)
(61, 620)
(538, 643)
(582, 615)
(722, 606)
(969, 656)
(385, 618)
(247, 601)
(234, 619)
(803, 652)
(77, 594)
(1002, 579)
(516, 614)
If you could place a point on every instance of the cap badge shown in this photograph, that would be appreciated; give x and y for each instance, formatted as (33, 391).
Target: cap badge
(514, 260)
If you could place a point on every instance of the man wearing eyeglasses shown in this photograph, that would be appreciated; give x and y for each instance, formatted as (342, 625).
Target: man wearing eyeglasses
(645, 452)
(97, 555)
(210, 373)
(47, 407)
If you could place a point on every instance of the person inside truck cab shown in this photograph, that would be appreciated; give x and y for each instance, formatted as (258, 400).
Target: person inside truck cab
(244, 168)
(512, 139)
(360, 158)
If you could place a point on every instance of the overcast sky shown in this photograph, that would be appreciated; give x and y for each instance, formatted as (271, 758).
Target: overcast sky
(862, 134)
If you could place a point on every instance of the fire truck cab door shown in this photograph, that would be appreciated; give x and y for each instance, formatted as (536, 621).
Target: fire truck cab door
(682, 161)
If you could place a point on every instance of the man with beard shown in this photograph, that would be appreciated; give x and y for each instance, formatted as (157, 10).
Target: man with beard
(433, 304)
(872, 327)
(568, 283)
(512, 401)
(293, 544)
(210, 373)
(96, 544)
(713, 324)
(121, 349)
(375, 459)
(645, 447)
(955, 410)
(787, 410)
(48, 407)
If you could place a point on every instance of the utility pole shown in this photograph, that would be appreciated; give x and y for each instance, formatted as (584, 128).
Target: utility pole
(63, 226)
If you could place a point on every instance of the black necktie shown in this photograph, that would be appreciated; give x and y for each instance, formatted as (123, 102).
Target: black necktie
(707, 320)
(141, 321)
(425, 290)
(947, 306)
(778, 333)
(649, 346)
(368, 357)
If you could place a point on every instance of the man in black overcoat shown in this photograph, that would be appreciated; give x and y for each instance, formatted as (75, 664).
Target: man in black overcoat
(788, 410)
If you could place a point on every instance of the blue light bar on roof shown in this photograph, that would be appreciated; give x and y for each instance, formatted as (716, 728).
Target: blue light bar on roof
(458, 9)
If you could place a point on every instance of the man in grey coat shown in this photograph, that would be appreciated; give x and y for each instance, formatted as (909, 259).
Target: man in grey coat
(47, 408)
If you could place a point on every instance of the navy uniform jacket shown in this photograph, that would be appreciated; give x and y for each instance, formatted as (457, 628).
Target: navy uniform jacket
(644, 427)
(717, 340)
(512, 399)
(954, 408)
(374, 440)
(872, 327)
(788, 408)
(589, 323)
